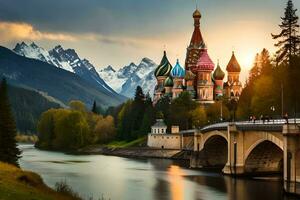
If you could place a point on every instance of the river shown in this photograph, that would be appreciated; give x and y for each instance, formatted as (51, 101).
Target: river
(119, 178)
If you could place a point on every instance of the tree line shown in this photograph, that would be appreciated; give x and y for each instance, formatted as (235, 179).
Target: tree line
(74, 127)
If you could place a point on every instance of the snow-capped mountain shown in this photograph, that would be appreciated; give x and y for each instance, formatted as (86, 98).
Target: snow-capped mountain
(66, 59)
(126, 79)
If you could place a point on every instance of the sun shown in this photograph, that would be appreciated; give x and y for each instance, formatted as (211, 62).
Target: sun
(247, 59)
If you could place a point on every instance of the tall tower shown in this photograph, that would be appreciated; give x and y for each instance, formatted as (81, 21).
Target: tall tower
(205, 86)
(196, 45)
(233, 86)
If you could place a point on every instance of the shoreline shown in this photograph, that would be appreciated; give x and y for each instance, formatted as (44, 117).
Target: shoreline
(134, 152)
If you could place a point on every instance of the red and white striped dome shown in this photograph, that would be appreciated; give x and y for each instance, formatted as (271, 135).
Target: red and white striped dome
(205, 63)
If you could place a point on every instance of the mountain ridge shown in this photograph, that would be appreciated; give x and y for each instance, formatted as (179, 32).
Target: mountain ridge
(55, 82)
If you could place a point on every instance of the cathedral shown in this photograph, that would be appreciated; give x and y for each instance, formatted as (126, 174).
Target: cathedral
(199, 76)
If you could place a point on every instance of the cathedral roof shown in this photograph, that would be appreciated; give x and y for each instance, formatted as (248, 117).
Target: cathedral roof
(205, 63)
(178, 71)
(233, 65)
(164, 68)
(169, 82)
(218, 74)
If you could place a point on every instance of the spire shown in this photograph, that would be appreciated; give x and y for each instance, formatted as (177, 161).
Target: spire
(197, 39)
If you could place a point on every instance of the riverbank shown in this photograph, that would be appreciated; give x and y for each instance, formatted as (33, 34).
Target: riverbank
(17, 184)
(134, 152)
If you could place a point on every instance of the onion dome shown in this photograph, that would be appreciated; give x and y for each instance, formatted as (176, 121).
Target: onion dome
(233, 65)
(205, 63)
(189, 75)
(178, 71)
(218, 74)
(197, 14)
(169, 82)
(164, 68)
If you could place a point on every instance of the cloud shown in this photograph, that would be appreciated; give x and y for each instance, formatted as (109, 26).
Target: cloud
(12, 31)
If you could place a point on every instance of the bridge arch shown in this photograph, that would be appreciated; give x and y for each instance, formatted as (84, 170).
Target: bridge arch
(267, 137)
(265, 155)
(215, 149)
(209, 135)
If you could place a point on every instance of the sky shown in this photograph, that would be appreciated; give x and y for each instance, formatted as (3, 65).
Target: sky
(118, 32)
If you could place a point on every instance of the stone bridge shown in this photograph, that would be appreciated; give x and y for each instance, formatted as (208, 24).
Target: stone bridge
(241, 148)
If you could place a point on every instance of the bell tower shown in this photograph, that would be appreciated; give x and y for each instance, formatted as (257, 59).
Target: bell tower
(196, 44)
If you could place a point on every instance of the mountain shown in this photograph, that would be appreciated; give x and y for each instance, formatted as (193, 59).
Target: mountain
(126, 79)
(54, 81)
(27, 107)
(123, 81)
(66, 59)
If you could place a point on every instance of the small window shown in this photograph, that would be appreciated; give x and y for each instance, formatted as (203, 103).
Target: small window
(162, 130)
(167, 137)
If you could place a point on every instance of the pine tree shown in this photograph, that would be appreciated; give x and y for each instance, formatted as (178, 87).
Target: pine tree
(94, 109)
(149, 116)
(255, 70)
(137, 112)
(265, 61)
(289, 39)
(9, 152)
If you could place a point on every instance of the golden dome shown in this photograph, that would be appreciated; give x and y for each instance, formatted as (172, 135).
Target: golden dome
(197, 14)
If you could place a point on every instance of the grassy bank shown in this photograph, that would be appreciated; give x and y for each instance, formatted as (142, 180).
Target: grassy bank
(16, 184)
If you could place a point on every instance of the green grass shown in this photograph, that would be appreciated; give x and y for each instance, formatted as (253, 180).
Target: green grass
(126, 144)
(16, 184)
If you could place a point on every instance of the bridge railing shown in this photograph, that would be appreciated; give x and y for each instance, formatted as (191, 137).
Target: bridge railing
(275, 124)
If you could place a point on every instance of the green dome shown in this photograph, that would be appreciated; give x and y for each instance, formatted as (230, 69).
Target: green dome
(164, 68)
(218, 74)
(169, 82)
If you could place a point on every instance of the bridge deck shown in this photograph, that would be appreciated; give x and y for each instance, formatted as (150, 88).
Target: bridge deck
(259, 125)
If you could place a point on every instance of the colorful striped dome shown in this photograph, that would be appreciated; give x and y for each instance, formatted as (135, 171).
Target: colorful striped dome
(169, 82)
(164, 68)
(178, 71)
(218, 74)
(205, 63)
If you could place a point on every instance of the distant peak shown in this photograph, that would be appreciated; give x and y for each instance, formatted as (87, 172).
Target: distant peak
(33, 45)
(58, 48)
(132, 64)
(109, 68)
(147, 60)
(23, 43)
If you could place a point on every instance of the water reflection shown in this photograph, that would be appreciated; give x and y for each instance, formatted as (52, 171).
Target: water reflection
(132, 179)
(176, 182)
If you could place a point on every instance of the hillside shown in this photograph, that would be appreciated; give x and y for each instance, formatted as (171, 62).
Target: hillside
(17, 184)
(27, 106)
(58, 83)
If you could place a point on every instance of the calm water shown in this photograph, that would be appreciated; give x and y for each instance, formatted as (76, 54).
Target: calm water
(129, 179)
